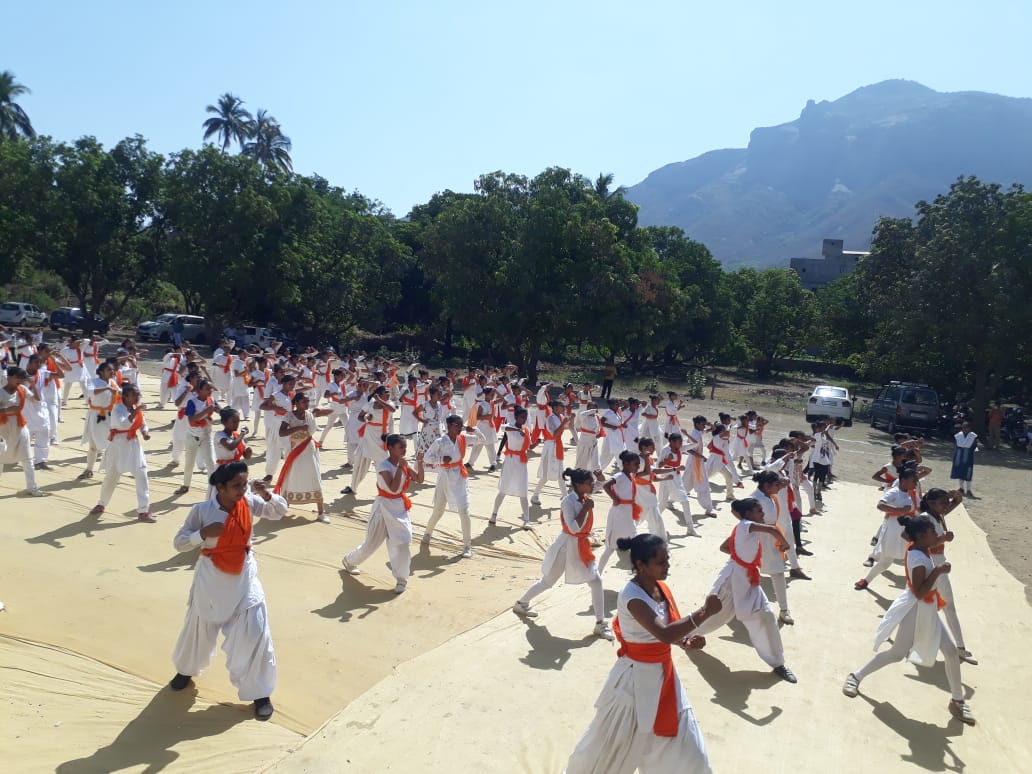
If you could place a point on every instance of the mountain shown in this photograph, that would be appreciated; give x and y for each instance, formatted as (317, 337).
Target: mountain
(838, 167)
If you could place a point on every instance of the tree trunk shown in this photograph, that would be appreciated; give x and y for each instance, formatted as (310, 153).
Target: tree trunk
(763, 366)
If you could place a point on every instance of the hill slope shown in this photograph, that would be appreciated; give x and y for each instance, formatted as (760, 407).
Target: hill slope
(835, 169)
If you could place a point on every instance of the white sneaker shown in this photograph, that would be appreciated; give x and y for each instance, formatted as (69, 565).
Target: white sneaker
(967, 656)
(425, 540)
(535, 500)
(323, 518)
(400, 587)
(602, 630)
(786, 618)
(523, 610)
(36, 492)
(467, 552)
(350, 568)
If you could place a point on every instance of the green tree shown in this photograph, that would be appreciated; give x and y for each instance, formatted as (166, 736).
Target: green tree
(267, 144)
(777, 321)
(547, 264)
(952, 290)
(230, 122)
(14, 121)
(98, 231)
(26, 172)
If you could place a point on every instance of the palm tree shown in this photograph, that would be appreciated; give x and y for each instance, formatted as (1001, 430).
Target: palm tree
(602, 188)
(268, 145)
(230, 122)
(14, 122)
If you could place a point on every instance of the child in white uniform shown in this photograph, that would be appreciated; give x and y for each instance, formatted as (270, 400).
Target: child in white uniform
(919, 633)
(571, 553)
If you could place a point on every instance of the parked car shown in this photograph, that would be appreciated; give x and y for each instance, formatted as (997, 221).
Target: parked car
(286, 340)
(830, 402)
(71, 318)
(21, 314)
(195, 329)
(905, 405)
(246, 335)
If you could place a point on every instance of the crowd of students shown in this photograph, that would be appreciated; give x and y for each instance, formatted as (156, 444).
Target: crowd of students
(406, 424)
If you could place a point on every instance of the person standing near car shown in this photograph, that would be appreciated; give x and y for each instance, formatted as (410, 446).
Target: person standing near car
(177, 332)
(963, 469)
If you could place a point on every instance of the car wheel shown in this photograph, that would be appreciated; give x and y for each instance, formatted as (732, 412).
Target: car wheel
(54, 327)
(163, 338)
(849, 422)
(201, 339)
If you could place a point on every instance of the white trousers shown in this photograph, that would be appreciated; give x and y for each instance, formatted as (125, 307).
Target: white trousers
(250, 657)
(25, 459)
(902, 644)
(762, 627)
(397, 536)
(111, 479)
(199, 451)
(549, 580)
(440, 503)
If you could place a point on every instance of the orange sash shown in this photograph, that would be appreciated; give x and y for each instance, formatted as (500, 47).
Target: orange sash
(22, 392)
(234, 542)
(134, 427)
(521, 452)
(583, 537)
(52, 367)
(229, 361)
(714, 450)
(743, 438)
(667, 720)
(633, 502)
(752, 569)
(459, 463)
(557, 439)
(402, 495)
(930, 597)
(173, 372)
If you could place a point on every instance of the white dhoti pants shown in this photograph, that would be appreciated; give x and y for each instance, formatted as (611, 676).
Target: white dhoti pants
(250, 658)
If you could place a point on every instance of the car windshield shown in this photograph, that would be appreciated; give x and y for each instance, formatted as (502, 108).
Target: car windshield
(920, 397)
(831, 392)
(165, 318)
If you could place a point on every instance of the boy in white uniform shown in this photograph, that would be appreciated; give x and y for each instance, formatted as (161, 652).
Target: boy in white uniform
(14, 432)
(447, 454)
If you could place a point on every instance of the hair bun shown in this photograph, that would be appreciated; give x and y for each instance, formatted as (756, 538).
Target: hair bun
(624, 544)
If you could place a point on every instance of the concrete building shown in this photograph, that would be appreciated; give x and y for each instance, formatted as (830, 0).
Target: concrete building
(833, 263)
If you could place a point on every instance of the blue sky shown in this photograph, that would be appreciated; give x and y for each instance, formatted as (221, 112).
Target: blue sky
(402, 99)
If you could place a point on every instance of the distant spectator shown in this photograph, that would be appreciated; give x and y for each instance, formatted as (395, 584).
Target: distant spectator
(177, 331)
(964, 458)
(994, 418)
(608, 377)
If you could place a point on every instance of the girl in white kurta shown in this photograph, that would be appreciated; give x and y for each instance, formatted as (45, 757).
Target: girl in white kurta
(622, 521)
(170, 364)
(226, 594)
(389, 517)
(484, 422)
(239, 387)
(199, 410)
(643, 721)
(75, 354)
(615, 428)
(768, 485)
(900, 499)
(300, 479)
(334, 395)
(646, 479)
(550, 464)
(650, 421)
(571, 555)
(127, 429)
(588, 430)
(671, 490)
(409, 399)
(936, 504)
(102, 396)
(180, 394)
(671, 424)
(738, 586)
(719, 461)
(15, 442)
(375, 413)
(230, 442)
(696, 474)
(514, 480)
(914, 617)
(448, 455)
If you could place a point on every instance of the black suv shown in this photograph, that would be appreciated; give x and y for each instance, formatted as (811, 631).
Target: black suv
(906, 405)
(71, 318)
